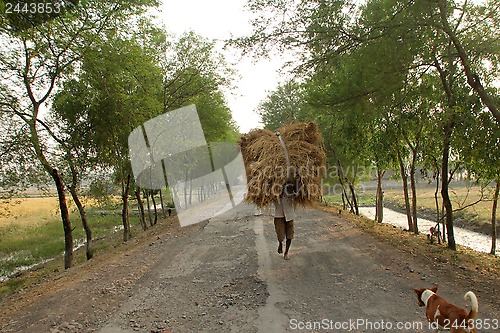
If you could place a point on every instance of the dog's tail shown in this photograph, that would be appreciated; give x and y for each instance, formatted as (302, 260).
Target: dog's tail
(474, 306)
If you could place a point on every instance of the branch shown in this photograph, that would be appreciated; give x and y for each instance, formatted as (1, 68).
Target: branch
(472, 78)
(52, 134)
(452, 173)
(471, 204)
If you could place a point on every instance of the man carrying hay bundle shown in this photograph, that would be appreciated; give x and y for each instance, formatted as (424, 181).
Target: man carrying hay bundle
(285, 169)
(283, 217)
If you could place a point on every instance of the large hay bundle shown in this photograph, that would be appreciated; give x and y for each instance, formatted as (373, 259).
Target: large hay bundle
(266, 166)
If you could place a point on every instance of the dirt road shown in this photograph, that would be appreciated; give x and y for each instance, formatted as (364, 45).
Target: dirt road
(226, 276)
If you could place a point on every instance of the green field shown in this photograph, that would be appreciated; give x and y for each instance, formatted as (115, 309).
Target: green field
(31, 231)
(476, 217)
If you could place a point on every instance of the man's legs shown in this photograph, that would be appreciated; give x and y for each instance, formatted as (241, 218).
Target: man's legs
(289, 231)
(287, 247)
(279, 227)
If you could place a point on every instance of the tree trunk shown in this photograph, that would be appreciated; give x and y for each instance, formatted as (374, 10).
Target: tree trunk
(436, 201)
(162, 205)
(73, 189)
(342, 178)
(68, 230)
(85, 224)
(140, 206)
(190, 191)
(63, 206)
(150, 218)
(443, 222)
(345, 196)
(445, 181)
(125, 213)
(413, 186)
(154, 207)
(379, 201)
(185, 191)
(354, 200)
(493, 219)
(404, 178)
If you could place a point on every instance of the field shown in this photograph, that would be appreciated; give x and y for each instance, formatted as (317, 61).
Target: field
(476, 217)
(31, 231)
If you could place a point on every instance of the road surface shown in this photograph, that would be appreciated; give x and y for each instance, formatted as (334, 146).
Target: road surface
(225, 275)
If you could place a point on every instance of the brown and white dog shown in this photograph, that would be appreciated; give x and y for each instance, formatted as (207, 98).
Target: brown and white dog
(444, 315)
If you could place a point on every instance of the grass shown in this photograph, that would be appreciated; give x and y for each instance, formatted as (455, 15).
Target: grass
(476, 217)
(28, 211)
(365, 198)
(419, 247)
(31, 232)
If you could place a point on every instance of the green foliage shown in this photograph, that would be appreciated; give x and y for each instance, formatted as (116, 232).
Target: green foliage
(123, 85)
(19, 16)
(282, 106)
(45, 58)
(101, 190)
(373, 76)
(215, 118)
(192, 68)
(194, 73)
(479, 138)
(389, 78)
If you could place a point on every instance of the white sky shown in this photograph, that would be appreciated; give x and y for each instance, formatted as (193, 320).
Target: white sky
(222, 19)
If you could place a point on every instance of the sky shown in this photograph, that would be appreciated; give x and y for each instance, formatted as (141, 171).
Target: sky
(220, 20)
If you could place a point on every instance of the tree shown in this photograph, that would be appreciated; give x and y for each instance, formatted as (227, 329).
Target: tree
(484, 20)
(328, 29)
(414, 122)
(35, 62)
(480, 150)
(347, 156)
(282, 106)
(192, 67)
(366, 51)
(494, 217)
(215, 117)
(18, 170)
(78, 154)
(117, 89)
(381, 155)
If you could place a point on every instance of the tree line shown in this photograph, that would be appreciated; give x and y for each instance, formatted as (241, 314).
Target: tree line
(401, 85)
(73, 85)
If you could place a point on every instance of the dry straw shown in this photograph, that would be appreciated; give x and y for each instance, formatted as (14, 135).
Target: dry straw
(266, 167)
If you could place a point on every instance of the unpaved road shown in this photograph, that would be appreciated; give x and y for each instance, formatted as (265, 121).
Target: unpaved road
(225, 276)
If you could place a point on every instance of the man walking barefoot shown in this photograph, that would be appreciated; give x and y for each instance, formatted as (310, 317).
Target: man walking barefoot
(283, 220)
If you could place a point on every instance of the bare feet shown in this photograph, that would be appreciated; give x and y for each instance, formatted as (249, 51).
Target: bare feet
(280, 248)
(286, 257)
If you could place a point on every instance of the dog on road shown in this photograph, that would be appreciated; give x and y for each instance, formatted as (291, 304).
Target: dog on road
(444, 315)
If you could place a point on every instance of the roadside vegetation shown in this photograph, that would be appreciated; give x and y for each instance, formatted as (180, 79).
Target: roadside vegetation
(464, 259)
(472, 204)
(73, 85)
(400, 87)
(30, 232)
(32, 242)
